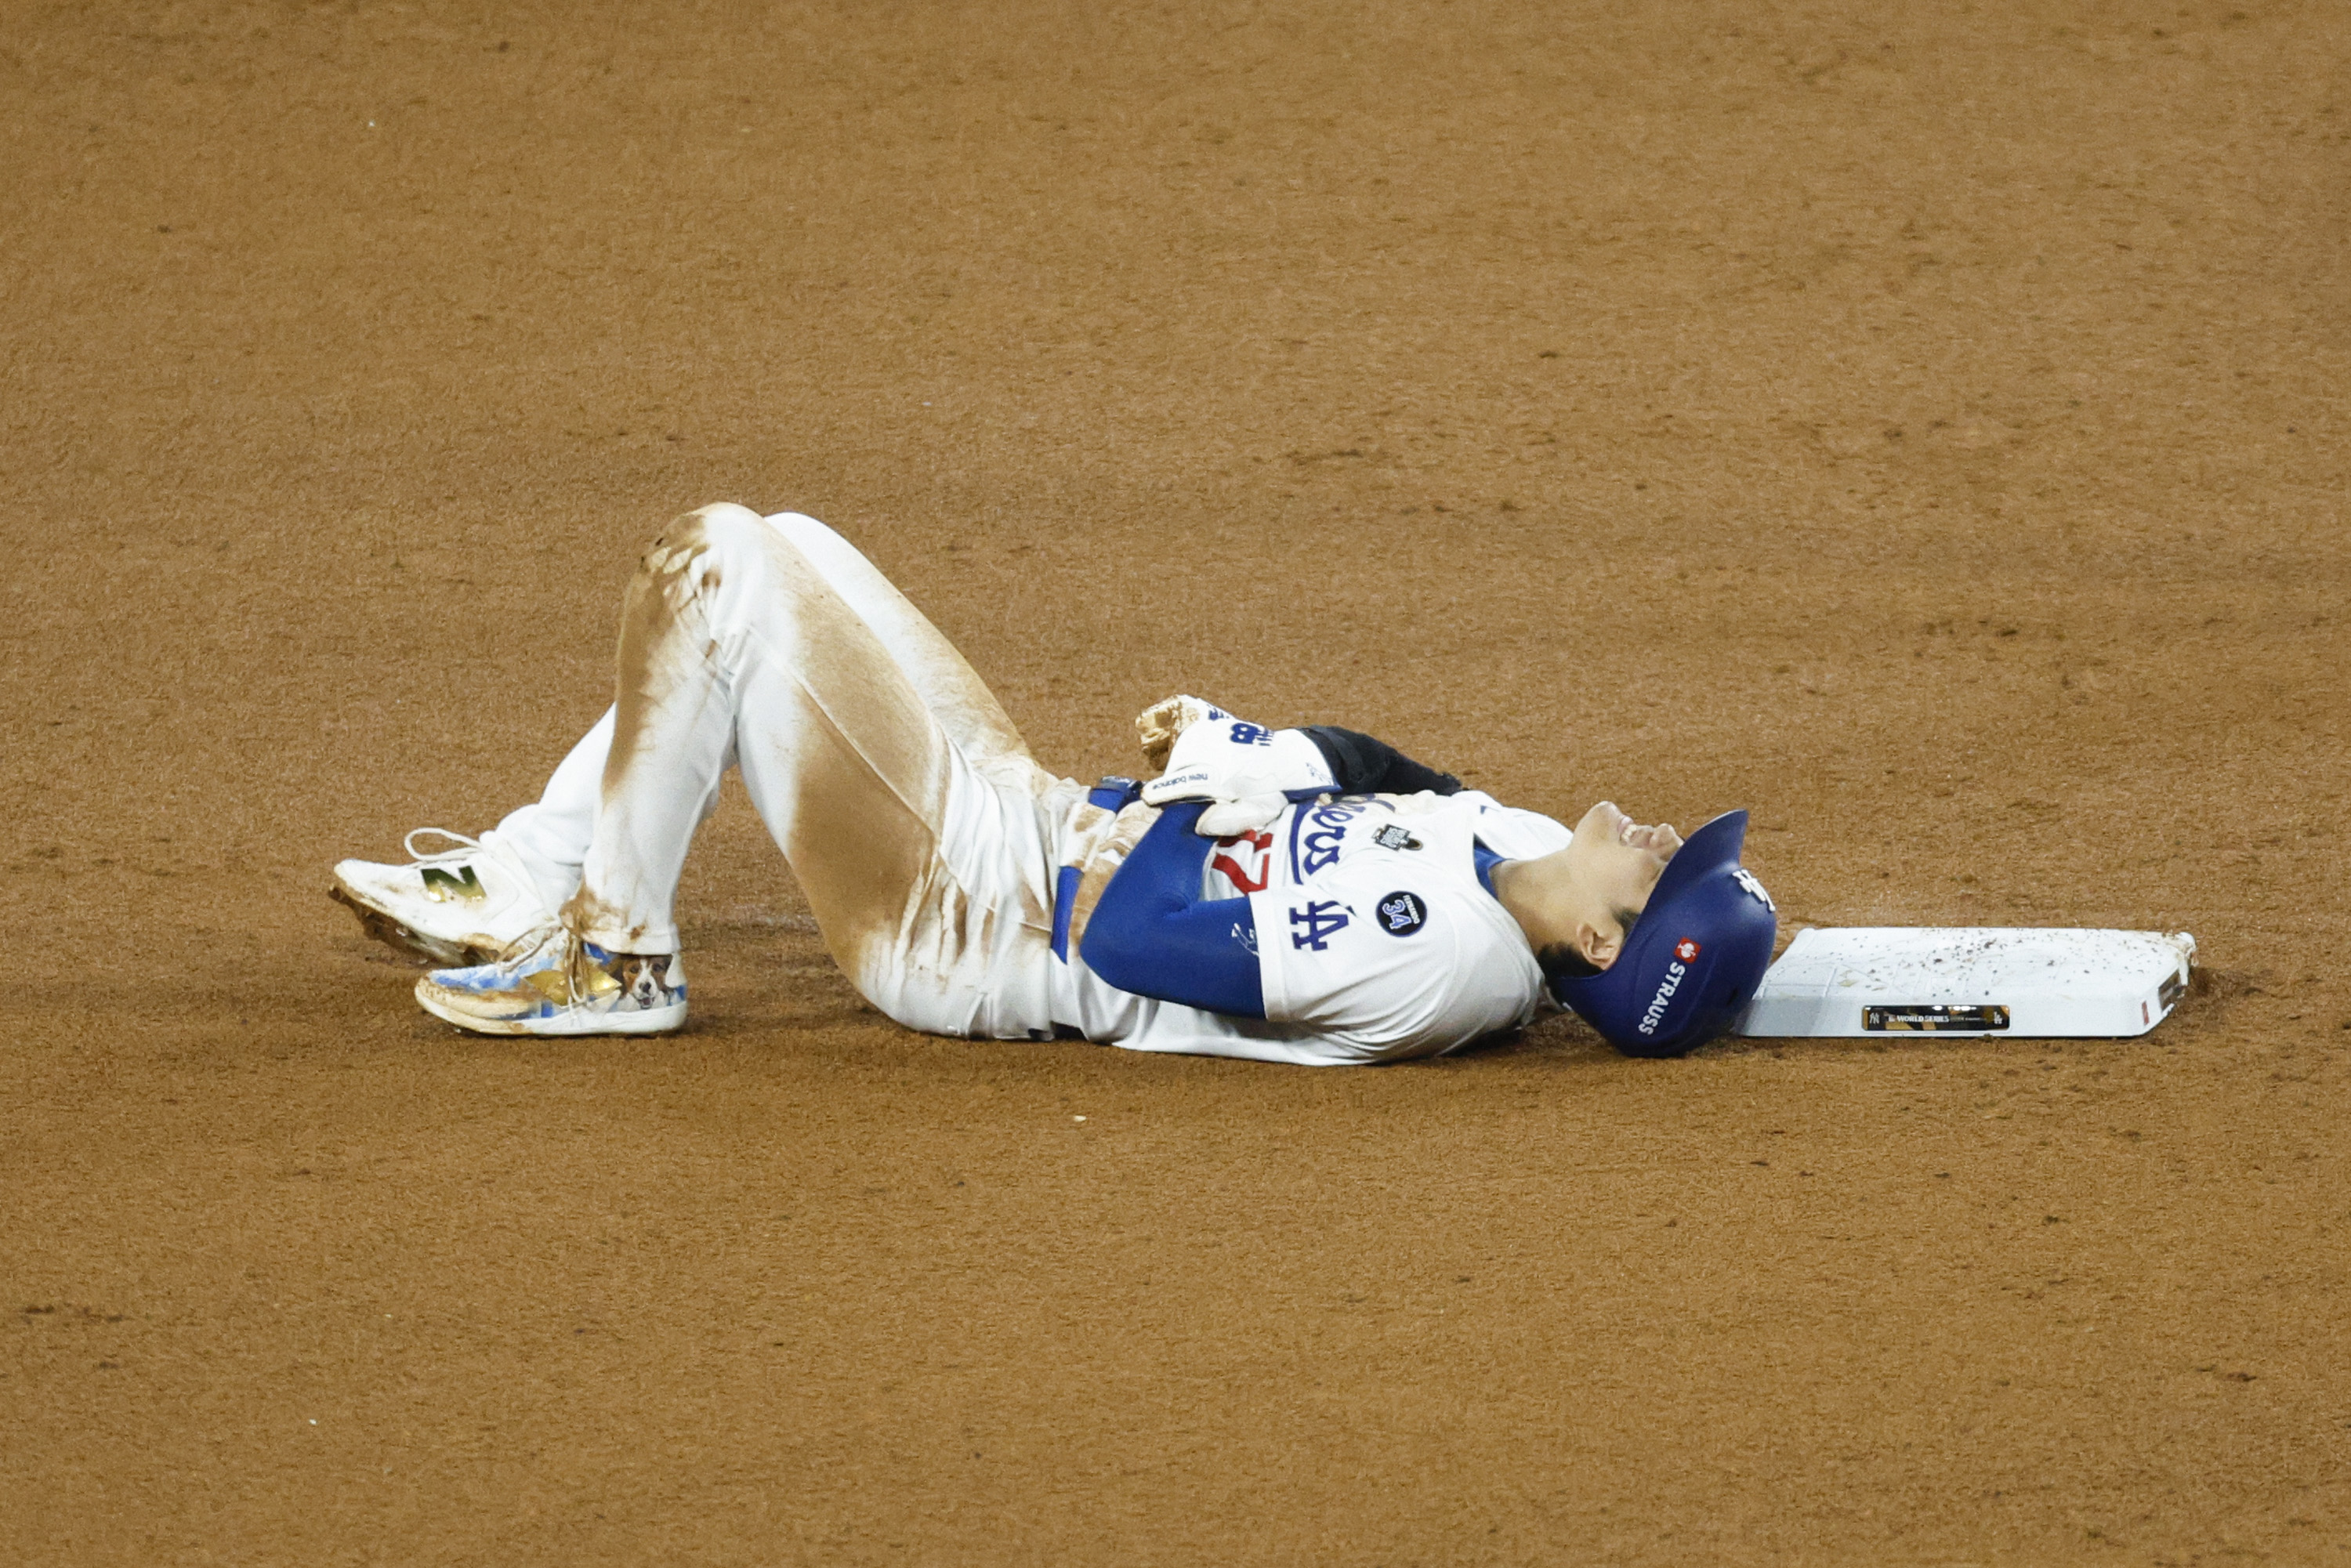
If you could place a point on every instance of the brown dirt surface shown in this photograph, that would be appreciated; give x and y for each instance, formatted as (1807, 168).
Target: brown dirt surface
(1922, 426)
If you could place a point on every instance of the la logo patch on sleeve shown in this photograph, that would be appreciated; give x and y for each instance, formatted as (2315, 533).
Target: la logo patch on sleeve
(1402, 913)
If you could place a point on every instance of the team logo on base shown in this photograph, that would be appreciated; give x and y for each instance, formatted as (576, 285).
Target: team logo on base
(1686, 950)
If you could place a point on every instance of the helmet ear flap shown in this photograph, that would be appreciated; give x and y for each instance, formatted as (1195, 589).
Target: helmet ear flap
(1694, 958)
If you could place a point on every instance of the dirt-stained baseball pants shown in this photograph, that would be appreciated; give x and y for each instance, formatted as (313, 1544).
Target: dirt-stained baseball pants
(904, 799)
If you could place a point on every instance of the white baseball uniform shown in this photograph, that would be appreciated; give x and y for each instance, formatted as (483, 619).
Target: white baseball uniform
(931, 844)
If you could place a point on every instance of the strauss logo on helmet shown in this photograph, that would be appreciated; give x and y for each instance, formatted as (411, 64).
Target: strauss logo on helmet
(1686, 950)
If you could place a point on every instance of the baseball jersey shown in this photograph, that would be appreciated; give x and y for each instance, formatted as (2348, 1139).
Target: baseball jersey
(1376, 939)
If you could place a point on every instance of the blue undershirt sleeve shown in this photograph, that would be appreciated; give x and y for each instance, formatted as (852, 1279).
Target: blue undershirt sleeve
(1152, 934)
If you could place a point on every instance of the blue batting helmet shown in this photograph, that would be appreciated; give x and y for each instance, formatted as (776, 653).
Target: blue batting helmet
(1695, 956)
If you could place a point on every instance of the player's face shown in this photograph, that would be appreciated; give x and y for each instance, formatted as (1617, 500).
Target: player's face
(1619, 858)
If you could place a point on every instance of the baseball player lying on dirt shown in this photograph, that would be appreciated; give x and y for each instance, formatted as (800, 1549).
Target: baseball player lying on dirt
(1300, 895)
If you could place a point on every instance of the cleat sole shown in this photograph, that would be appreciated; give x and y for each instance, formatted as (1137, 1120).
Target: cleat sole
(563, 1025)
(434, 951)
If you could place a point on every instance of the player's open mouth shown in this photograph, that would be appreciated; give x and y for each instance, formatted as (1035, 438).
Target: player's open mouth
(1629, 833)
(1660, 840)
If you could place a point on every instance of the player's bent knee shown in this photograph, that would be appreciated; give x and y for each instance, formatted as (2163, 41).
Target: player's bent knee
(737, 534)
(724, 516)
(723, 528)
(716, 530)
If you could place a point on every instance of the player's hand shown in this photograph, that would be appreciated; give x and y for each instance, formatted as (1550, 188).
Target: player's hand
(1224, 760)
(1157, 726)
(1227, 819)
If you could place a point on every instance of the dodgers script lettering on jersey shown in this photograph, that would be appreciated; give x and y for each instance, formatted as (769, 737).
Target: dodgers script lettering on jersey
(1372, 926)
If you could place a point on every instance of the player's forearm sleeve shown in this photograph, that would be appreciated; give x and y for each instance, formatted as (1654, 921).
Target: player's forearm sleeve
(1363, 765)
(1153, 934)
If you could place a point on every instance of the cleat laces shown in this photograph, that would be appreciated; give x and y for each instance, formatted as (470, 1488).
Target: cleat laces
(574, 978)
(465, 846)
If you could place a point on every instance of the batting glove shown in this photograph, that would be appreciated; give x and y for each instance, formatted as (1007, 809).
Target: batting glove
(1231, 760)
(1156, 726)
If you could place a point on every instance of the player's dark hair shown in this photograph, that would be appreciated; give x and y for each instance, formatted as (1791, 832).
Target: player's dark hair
(1562, 962)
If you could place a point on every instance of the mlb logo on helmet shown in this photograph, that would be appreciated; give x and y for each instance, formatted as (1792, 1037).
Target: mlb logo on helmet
(1694, 957)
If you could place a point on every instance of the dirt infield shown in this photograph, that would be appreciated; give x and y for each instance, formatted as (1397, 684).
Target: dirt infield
(1923, 425)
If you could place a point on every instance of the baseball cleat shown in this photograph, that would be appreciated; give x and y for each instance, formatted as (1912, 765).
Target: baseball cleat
(465, 905)
(552, 983)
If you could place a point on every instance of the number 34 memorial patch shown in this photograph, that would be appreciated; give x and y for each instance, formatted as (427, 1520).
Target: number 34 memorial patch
(1402, 913)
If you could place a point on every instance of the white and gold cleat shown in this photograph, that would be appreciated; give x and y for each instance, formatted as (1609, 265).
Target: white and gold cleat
(552, 983)
(464, 904)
